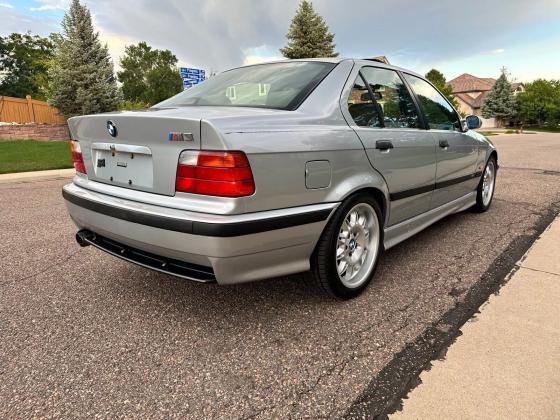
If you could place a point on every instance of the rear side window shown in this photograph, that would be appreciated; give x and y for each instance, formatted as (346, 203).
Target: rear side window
(439, 113)
(381, 99)
(361, 107)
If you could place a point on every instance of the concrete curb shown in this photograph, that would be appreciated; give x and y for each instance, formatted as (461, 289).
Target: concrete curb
(36, 175)
(506, 364)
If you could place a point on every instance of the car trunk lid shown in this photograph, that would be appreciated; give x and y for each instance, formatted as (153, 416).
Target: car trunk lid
(136, 150)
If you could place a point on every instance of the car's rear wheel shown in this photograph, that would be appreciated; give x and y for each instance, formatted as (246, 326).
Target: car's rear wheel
(486, 186)
(346, 256)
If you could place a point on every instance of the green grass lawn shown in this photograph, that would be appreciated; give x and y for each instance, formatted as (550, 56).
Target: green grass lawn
(33, 155)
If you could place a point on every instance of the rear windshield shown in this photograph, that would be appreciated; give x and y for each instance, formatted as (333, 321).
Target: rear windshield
(273, 85)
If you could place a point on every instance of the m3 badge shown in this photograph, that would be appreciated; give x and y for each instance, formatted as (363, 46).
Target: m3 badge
(175, 136)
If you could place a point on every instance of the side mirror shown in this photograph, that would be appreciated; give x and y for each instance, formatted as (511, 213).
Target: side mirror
(473, 122)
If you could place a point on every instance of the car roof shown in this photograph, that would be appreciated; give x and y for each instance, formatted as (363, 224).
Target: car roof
(376, 63)
(336, 60)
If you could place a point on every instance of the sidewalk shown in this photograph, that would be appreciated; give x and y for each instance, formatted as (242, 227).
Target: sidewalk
(35, 175)
(506, 364)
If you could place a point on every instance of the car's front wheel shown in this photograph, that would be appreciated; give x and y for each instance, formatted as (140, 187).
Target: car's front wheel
(485, 190)
(346, 256)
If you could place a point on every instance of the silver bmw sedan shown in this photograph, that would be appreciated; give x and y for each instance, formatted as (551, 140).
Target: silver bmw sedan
(278, 168)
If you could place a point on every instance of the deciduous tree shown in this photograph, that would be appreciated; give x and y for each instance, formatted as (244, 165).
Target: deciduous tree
(24, 60)
(540, 102)
(149, 75)
(82, 80)
(438, 80)
(309, 35)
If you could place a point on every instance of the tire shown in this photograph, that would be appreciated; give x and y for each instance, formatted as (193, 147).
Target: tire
(486, 186)
(359, 250)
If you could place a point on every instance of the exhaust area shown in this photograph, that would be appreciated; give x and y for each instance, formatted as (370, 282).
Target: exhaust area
(84, 238)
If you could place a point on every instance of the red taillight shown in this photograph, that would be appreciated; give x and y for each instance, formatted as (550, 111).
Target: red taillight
(224, 174)
(77, 157)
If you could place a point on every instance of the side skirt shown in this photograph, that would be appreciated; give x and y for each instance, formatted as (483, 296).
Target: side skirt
(404, 230)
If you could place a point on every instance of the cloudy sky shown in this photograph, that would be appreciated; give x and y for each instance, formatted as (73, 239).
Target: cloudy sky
(478, 36)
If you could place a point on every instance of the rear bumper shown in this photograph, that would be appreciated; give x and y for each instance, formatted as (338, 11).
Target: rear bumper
(237, 248)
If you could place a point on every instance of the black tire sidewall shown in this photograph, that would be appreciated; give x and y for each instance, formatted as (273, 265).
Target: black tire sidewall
(479, 201)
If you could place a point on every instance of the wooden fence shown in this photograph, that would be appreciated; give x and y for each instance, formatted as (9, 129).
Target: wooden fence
(28, 110)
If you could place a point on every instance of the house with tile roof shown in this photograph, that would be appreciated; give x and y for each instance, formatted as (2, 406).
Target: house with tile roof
(471, 91)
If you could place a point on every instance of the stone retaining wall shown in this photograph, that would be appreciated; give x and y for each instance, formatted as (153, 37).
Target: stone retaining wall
(46, 132)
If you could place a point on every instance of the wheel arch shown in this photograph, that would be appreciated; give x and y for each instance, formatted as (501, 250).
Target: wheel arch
(368, 181)
(379, 196)
(493, 153)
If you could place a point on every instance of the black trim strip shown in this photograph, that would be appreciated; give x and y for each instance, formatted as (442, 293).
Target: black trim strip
(409, 193)
(454, 181)
(223, 230)
(256, 226)
(427, 188)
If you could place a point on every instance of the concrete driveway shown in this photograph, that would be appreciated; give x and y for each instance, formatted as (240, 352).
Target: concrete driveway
(83, 334)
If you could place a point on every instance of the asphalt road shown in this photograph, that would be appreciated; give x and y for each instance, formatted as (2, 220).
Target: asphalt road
(83, 334)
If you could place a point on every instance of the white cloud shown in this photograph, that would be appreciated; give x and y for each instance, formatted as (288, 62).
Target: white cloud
(6, 5)
(257, 59)
(116, 45)
(50, 5)
(260, 54)
(220, 34)
(208, 34)
(13, 20)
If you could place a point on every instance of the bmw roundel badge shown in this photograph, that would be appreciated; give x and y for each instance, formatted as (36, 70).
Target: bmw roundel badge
(112, 128)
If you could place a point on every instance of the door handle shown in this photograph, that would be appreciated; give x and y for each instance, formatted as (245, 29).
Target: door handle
(444, 144)
(383, 144)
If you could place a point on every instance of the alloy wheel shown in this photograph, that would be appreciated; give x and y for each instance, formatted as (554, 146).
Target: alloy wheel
(357, 245)
(488, 183)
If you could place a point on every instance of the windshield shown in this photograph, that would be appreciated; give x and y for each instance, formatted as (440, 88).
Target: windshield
(273, 85)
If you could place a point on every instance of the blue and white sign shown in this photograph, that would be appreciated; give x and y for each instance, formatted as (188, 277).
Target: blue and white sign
(192, 77)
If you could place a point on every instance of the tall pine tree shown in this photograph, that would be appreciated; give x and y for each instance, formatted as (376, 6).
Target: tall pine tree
(81, 76)
(500, 102)
(309, 35)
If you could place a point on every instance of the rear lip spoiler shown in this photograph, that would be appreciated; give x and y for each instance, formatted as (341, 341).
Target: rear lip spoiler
(148, 260)
(197, 227)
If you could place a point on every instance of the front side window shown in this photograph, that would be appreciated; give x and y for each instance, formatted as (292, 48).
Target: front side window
(387, 101)
(272, 85)
(439, 113)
